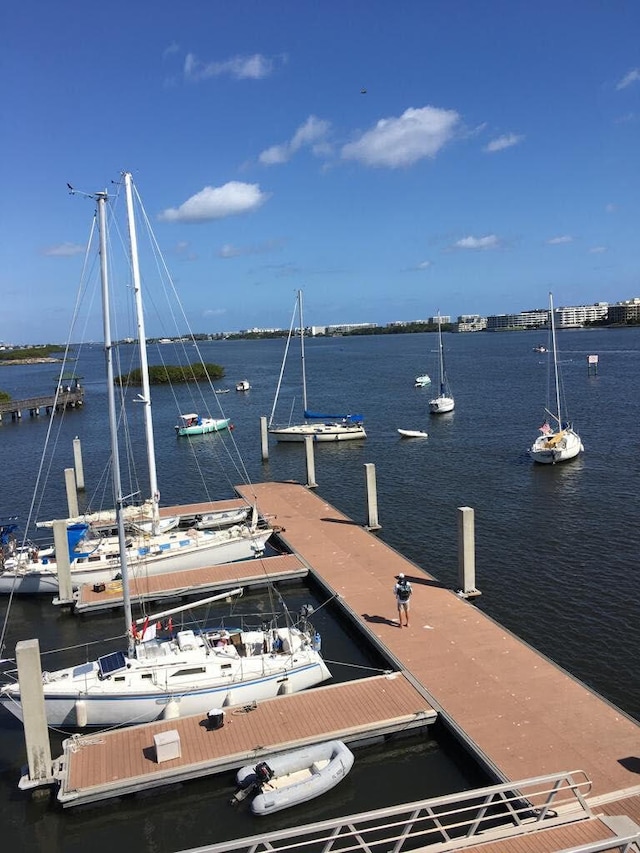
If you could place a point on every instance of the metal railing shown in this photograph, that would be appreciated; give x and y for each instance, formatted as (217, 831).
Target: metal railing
(441, 824)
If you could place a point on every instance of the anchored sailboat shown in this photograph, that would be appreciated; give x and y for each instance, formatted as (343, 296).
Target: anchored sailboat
(333, 427)
(444, 402)
(562, 442)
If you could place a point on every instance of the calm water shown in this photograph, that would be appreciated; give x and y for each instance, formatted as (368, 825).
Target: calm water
(555, 552)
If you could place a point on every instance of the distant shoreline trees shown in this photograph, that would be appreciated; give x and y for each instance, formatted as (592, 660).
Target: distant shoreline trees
(162, 374)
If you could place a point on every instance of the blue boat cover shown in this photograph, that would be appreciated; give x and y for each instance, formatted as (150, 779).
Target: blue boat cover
(356, 419)
(75, 533)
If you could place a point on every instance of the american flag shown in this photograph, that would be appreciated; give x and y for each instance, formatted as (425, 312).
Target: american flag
(545, 428)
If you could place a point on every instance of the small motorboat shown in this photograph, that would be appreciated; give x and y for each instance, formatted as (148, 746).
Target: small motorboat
(422, 381)
(413, 433)
(243, 385)
(193, 424)
(540, 348)
(293, 777)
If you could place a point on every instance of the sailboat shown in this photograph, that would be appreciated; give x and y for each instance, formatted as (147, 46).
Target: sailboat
(154, 546)
(561, 442)
(183, 674)
(444, 402)
(333, 427)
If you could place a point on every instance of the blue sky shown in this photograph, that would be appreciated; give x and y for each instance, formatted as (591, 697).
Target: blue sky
(392, 159)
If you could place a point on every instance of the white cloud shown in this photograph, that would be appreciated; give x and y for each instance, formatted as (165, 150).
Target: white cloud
(629, 78)
(311, 134)
(424, 265)
(402, 141)
(64, 250)
(217, 203)
(558, 241)
(610, 208)
(502, 142)
(491, 241)
(214, 312)
(254, 67)
(597, 250)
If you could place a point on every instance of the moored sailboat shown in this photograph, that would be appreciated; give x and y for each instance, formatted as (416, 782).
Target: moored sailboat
(153, 545)
(444, 402)
(182, 674)
(561, 442)
(342, 427)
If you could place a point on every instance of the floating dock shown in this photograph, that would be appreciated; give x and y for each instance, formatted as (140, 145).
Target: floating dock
(519, 715)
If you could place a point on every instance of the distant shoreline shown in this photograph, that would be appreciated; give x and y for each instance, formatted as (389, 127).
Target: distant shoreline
(29, 361)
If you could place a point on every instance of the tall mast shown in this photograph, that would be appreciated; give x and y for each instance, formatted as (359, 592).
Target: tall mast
(145, 397)
(555, 361)
(441, 355)
(113, 420)
(304, 374)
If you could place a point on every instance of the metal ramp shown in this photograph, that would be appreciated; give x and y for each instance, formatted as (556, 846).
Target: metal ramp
(491, 816)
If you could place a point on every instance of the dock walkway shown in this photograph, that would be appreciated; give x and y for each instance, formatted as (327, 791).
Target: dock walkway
(518, 713)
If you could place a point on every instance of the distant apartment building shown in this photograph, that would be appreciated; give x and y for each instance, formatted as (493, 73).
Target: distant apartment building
(470, 323)
(443, 319)
(524, 320)
(625, 312)
(578, 315)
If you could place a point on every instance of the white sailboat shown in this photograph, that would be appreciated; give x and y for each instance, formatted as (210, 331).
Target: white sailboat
(183, 674)
(152, 546)
(561, 442)
(444, 402)
(345, 427)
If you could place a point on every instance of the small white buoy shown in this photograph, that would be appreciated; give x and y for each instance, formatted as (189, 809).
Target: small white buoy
(81, 713)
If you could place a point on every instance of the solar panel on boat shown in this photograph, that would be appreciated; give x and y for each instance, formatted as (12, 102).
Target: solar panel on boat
(113, 662)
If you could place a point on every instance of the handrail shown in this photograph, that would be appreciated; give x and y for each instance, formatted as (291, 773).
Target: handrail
(442, 823)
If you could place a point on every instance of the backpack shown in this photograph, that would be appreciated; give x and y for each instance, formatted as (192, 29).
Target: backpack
(404, 591)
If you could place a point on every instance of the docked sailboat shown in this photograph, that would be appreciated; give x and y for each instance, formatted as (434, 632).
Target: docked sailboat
(342, 427)
(185, 673)
(153, 545)
(444, 402)
(560, 442)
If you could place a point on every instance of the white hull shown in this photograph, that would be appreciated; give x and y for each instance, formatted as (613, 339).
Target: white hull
(319, 432)
(174, 678)
(422, 381)
(174, 552)
(298, 776)
(556, 447)
(412, 433)
(439, 405)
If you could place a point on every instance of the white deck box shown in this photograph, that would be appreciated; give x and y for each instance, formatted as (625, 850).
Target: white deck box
(167, 745)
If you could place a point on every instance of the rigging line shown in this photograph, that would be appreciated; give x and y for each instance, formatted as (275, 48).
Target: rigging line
(377, 669)
(284, 361)
(41, 466)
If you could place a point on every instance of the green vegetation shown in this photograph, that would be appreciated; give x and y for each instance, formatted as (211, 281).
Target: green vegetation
(4, 397)
(29, 352)
(171, 374)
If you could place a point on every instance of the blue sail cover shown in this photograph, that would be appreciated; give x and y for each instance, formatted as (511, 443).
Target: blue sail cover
(314, 416)
(75, 533)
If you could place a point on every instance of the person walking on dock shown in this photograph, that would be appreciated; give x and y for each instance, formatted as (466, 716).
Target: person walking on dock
(402, 591)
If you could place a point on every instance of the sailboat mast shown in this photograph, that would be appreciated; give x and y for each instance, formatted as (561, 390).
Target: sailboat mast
(145, 397)
(304, 373)
(555, 360)
(113, 420)
(441, 355)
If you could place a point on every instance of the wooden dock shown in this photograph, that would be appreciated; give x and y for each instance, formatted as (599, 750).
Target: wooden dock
(256, 572)
(520, 715)
(110, 764)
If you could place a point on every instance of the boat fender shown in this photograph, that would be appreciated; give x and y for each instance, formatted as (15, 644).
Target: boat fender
(81, 713)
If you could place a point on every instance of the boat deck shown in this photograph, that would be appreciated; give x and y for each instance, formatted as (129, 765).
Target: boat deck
(192, 582)
(110, 764)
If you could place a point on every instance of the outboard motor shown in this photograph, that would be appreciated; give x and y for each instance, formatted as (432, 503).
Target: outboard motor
(253, 782)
